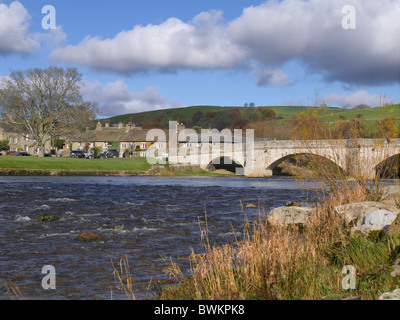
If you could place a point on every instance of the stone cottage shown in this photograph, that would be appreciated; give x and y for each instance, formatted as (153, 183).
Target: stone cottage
(121, 137)
(17, 139)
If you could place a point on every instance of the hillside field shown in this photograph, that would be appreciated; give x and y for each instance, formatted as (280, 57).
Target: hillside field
(328, 115)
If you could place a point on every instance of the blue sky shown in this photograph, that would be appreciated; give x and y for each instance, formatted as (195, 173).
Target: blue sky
(145, 55)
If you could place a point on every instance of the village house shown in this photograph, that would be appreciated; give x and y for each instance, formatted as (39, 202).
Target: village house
(125, 138)
(17, 140)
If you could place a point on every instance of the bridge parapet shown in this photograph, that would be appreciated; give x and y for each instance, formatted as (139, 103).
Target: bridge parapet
(294, 144)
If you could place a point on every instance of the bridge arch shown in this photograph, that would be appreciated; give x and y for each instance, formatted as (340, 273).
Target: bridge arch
(224, 162)
(389, 167)
(303, 157)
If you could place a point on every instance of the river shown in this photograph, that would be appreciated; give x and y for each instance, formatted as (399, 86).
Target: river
(147, 219)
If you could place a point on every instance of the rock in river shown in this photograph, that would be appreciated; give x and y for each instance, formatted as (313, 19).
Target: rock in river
(251, 206)
(88, 237)
(47, 218)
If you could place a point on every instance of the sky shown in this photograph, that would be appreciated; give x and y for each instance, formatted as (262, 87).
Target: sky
(148, 55)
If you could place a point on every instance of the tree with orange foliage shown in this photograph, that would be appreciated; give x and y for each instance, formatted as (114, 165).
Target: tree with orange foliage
(153, 124)
(308, 126)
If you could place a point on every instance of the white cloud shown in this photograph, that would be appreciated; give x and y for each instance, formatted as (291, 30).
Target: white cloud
(273, 76)
(356, 98)
(268, 35)
(311, 31)
(14, 33)
(52, 37)
(174, 44)
(115, 98)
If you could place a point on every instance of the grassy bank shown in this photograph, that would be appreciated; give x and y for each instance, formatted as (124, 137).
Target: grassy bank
(275, 263)
(34, 166)
(71, 164)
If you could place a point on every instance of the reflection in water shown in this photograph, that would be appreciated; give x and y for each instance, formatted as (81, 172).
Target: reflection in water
(146, 218)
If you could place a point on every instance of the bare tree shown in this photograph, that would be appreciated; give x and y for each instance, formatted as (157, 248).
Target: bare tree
(45, 101)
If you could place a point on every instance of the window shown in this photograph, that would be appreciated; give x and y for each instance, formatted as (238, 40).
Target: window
(26, 148)
(26, 137)
(105, 145)
(143, 145)
(123, 145)
(15, 140)
(143, 154)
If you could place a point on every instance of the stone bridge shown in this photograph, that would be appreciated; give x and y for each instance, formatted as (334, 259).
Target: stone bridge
(259, 158)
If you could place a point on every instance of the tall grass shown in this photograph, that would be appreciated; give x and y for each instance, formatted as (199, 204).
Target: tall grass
(12, 289)
(122, 275)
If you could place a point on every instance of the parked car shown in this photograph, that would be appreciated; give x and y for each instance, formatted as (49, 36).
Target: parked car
(77, 154)
(113, 153)
(11, 153)
(81, 154)
(89, 155)
(22, 154)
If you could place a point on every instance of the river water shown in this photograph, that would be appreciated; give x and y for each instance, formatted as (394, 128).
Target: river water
(147, 219)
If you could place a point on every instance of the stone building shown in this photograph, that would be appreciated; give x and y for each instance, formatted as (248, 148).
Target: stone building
(17, 139)
(121, 137)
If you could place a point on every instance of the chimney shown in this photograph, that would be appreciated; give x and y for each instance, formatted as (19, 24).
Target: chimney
(120, 125)
(98, 127)
(107, 125)
(180, 127)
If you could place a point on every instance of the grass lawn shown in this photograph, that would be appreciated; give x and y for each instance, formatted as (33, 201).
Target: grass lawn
(121, 164)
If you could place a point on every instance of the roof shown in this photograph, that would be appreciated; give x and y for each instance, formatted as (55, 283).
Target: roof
(113, 134)
(8, 126)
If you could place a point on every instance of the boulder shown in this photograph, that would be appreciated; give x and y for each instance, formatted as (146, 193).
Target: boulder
(284, 216)
(394, 295)
(391, 194)
(47, 218)
(375, 221)
(353, 212)
(394, 228)
(88, 237)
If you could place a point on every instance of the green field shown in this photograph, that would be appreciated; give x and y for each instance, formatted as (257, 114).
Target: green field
(36, 163)
(283, 113)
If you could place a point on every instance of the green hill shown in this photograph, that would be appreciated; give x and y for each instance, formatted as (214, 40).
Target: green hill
(283, 113)
(185, 114)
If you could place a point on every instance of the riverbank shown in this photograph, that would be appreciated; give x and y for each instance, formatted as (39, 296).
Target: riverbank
(63, 173)
(33, 166)
(110, 173)
(303, 254)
